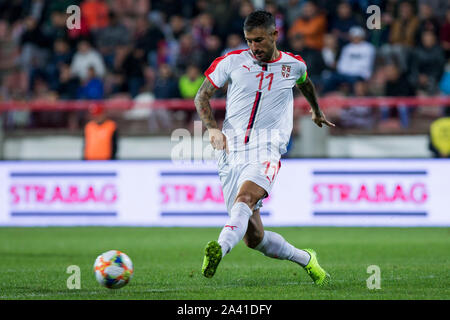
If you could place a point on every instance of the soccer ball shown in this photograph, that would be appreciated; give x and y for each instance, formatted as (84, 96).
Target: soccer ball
(113, 269)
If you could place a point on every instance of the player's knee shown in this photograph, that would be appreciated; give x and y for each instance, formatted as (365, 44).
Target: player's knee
(247, 199)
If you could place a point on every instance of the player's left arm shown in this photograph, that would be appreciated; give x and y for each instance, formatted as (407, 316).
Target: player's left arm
(309, 92)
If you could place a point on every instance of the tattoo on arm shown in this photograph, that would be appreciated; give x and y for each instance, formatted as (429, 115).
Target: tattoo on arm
(309, 92)
(202, 105)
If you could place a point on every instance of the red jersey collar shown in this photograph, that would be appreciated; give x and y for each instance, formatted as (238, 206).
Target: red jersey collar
(275, 60)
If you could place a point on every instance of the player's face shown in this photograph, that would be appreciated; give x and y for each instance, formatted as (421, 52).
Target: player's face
(261, 42)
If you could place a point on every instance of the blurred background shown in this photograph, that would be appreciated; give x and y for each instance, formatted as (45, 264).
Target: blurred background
(121, 87)
(142, 61)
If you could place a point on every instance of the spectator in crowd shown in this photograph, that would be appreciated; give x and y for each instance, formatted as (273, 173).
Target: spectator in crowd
(68, 85)
(92, 87)
(396, 85)
(61, 55)
(11, 11)
(85, 57)
(312, 57)
(166, 85)
(82, 32)
(132, 8)
(311, 25)
(188, 52)
(173, 30)
(202, 27)
(439, 137)
(100, 136)
(168, 7)
(176, 27)
(57, 6)
(355, 62)
(132, 67)
(444, 84)
(56, 28)
(33, 46)
(190, 82)
(148, 37)
(212, 50)
(7, 48)
(272, 7)
(402, 36)
(405, 26)
(292, 9)
(427, 64)
(330, 51)
(340, 26)
(437, 6)
(112, 36)
(445, 34)
(237, 19)
(96, 13)
(380, 37)
(428, 21)
(234, 42)
(360, 117)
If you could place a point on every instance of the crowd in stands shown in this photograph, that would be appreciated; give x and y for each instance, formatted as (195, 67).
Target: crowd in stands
(129, 48)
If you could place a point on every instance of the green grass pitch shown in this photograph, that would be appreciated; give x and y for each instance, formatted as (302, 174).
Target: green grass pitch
(414, 263)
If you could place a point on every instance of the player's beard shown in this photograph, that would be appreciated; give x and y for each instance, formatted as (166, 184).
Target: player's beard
(266, 55)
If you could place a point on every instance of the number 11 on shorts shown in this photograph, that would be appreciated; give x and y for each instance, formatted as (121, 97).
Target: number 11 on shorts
(271, 170)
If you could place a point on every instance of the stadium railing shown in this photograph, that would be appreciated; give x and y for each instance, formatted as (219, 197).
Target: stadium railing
(219, 104)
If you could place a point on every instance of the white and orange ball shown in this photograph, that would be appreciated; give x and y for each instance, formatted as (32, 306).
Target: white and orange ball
(113, 269)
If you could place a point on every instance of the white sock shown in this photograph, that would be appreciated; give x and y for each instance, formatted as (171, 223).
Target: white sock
(235, 228)
(273, 245)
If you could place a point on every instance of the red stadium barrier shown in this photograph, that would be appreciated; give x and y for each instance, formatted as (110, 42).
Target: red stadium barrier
(219, 104)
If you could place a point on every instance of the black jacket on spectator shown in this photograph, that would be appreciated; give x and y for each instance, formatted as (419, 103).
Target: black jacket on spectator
(399, 87)
(428, 61)
(166, 88)
(36, 37)
(314, 60)
(133, 65)
(149, 41)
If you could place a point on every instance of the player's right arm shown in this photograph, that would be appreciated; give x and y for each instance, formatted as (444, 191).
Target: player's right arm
(201, 101)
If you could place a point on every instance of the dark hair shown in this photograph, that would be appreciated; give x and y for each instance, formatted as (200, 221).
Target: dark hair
(259, 19)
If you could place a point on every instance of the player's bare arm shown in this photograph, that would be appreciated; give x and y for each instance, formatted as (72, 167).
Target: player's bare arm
(201, 101)
(309, 92)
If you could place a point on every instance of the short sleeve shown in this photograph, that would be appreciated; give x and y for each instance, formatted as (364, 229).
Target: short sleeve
(218, 71)
(303, 74)
(300, 71)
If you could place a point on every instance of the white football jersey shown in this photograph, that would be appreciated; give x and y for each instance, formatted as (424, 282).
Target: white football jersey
(259, 107)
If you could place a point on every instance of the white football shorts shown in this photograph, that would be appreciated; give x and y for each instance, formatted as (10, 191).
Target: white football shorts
(234, 170)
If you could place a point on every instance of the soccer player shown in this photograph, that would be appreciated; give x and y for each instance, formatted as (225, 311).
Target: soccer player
(256, 131)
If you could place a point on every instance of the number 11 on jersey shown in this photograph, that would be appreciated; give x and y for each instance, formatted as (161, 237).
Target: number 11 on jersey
(269, 76)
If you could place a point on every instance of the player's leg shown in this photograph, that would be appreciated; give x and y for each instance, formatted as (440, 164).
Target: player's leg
(273, 245)
(236, 226)
(255, 230)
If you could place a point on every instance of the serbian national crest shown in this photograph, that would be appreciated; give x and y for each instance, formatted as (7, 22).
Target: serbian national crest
(285, 70)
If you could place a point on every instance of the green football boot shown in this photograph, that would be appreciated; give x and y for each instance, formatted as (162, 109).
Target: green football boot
(213, 255)
(315, 271)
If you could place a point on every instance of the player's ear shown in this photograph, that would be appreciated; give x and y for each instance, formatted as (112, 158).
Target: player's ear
(275, 35)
